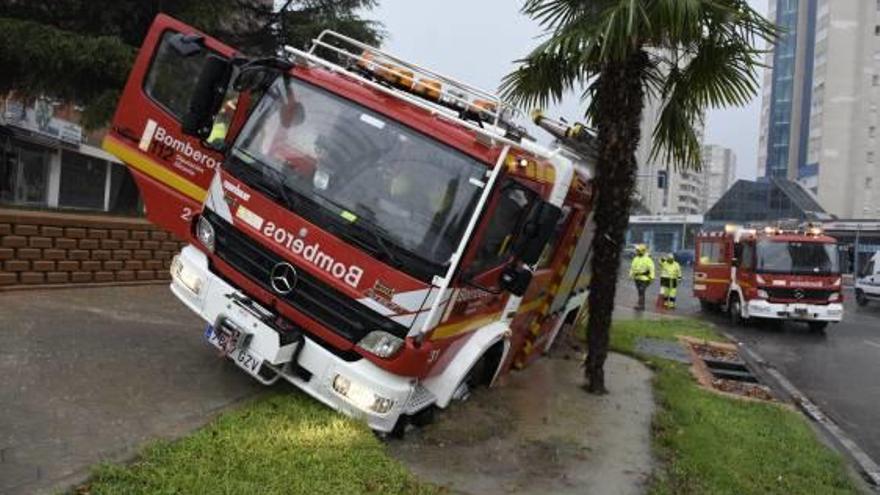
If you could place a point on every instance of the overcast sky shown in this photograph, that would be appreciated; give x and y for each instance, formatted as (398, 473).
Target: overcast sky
(478, 40)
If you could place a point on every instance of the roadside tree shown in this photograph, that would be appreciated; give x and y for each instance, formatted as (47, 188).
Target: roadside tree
(81, 51)
(688, 54)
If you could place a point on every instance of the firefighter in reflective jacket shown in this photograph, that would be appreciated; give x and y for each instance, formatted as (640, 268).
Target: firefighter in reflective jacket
(642, 273)
(670, 275)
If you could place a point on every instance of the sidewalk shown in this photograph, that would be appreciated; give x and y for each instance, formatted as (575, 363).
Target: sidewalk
(541, 433)
(91, 375)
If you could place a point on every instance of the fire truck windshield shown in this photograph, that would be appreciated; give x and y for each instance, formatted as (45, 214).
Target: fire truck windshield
(365, 172)
(800, 258)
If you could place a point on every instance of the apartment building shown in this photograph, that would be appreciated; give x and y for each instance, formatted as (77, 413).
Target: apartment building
(821, 101)
(719, 173)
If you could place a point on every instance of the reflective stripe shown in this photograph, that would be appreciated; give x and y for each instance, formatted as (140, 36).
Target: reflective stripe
(152, 168)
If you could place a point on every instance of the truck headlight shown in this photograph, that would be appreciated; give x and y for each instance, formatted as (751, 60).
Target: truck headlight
(205, 233)
(361, 396)
(763, 294)
(834, 297)
(381, 343)
(187, 277)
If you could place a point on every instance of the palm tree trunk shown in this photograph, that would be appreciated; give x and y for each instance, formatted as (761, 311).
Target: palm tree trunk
(619, 103)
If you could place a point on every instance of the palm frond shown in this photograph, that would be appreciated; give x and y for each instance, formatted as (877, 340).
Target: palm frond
(675, 139)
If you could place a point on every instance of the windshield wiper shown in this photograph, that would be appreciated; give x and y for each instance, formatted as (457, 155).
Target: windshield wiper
(279, 188)
(378, 236)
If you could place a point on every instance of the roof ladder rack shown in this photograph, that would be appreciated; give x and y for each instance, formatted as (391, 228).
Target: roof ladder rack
(470, 102)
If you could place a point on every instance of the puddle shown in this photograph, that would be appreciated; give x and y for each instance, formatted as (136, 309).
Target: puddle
(539, 433)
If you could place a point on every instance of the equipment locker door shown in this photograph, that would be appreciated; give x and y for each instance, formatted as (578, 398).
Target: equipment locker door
(712, 269)
(172, 170)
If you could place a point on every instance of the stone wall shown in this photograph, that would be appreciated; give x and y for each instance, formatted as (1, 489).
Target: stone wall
(52, 248)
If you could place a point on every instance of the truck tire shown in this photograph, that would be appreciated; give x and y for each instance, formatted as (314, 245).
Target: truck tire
(861, 299)
(734, 311)
(480, 374)
(818, 326)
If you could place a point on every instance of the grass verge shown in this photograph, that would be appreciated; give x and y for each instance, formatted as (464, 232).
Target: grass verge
(284, 444)
(713, 444)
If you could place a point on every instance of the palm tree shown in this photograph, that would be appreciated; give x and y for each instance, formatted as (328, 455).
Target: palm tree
(686, 54)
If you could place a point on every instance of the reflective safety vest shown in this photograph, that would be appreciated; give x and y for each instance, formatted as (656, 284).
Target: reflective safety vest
(670, 269)
(642, 268)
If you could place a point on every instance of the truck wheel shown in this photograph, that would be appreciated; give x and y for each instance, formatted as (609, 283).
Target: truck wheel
(861, 299)
(734, 308)
(481, 373)
(818, 326)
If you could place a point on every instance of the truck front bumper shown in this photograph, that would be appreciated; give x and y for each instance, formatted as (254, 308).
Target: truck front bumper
(758, 308)
(357, 388)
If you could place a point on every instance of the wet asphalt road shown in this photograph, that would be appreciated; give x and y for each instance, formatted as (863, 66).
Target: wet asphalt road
(839, 371)
(89, 375)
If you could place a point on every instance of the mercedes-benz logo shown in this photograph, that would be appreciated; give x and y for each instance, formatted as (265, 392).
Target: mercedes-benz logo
(283, 278)
(798, 294)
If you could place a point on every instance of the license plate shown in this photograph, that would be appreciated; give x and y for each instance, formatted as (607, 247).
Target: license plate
(240, 356)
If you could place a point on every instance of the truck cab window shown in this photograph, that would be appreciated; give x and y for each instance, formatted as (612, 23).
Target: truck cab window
(868, 270)
(550, 251)
(711, 253)
(173, 75)
(497, 243)
(747, 257)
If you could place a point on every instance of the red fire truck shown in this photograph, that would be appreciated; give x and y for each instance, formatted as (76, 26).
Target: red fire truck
(373, 232)
(770, 274)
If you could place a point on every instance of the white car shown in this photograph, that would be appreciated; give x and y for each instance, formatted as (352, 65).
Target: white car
(868, 284)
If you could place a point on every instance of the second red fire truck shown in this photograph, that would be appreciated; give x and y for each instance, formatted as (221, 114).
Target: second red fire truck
(376, 233)
(770, 274)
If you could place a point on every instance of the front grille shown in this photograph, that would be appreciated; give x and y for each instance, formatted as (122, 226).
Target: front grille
(312, 297)
(798, 294)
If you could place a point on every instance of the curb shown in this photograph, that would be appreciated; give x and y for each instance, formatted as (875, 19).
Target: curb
(843, 442)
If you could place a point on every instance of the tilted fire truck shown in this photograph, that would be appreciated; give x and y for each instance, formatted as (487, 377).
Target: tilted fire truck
(770, 274)
(373, 232)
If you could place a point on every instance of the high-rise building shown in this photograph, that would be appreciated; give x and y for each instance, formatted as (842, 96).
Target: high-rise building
(719, 173)
(681, 191)
(821, 95)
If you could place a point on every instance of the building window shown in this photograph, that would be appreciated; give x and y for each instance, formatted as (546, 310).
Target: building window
(124, 196)
(24, 174)
(872, 131)
(83, 181)
(875, 80)
(877, 30)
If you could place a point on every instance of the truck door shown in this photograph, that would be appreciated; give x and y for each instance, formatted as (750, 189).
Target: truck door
(172, 170)
(712, 269)
(479, 300)
(745, 272)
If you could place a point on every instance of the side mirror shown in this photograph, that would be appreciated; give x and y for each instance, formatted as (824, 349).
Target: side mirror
(537, 231)
(207, 97)
(515, 279)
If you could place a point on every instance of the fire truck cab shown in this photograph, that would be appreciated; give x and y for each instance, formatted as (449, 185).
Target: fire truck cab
(373, 232)
(770, 274)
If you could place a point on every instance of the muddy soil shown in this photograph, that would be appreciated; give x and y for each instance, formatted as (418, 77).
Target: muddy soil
(539, 432)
